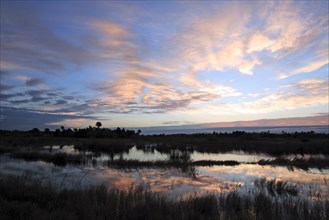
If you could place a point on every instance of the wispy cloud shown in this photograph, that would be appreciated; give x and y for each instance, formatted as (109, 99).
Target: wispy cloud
(115, 41)
(306, 69)
(223, 41)
(27, 43)
(304, 93)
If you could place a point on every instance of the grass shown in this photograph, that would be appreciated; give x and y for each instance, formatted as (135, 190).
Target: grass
(59, 159)
(301, 163)
(26, 198)
(273, 144)
(277, 187)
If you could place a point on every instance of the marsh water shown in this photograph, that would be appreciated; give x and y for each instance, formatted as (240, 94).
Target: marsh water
(174, 182)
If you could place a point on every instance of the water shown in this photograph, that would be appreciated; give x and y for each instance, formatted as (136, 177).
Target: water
(172, 181)
(154, 155)
(276, 130)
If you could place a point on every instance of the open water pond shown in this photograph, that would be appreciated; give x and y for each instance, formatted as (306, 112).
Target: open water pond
(173, 181)
(155, 155)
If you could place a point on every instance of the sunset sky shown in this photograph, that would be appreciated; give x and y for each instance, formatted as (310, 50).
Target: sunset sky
(136, 64)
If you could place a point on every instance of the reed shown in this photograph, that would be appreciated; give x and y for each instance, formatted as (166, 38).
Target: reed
(22, 197)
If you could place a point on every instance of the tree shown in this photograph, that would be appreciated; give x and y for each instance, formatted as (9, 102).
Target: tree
(98, 124)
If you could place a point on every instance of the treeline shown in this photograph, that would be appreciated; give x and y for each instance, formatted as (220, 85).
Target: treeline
(249, 135)
(90, 132)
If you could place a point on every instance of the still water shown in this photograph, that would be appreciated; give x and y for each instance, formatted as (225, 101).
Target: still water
(154, 155)
(172, 181)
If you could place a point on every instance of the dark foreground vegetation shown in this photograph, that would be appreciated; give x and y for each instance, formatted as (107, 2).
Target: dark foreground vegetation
(26, 198)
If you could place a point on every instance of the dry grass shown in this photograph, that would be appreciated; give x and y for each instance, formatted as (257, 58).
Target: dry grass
(26, 198)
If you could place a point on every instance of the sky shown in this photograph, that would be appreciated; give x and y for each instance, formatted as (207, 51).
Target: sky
(156, 63)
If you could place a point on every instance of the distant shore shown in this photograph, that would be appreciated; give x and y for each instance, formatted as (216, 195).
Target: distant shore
(107, 140)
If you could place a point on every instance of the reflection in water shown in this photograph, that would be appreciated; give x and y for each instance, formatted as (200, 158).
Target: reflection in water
(172, 181)
(238, 156)
(151, 154)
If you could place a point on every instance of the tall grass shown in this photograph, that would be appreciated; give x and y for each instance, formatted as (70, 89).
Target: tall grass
(273, 144)
(302, 163)
(277, 187)
(26, 198)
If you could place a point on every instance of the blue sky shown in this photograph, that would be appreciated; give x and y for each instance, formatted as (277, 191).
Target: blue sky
(138, 63)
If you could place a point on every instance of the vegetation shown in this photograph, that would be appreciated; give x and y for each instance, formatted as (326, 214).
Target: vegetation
(59, 159)
(98, 124)
(302, 163)
(111, 141)
(277, 187)
(90, 132)
(27, 198)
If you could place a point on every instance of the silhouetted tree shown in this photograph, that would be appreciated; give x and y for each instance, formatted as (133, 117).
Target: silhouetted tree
(98, 124)
(57, 133)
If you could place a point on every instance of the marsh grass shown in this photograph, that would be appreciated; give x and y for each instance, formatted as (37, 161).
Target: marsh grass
(301, 163)
(58, 159)
(272, 144)
(277, 187)
(22, 197)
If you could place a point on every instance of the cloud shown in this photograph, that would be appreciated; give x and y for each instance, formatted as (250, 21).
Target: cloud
(25, 119)
(204, 43)
(222, 41)
(294, 30)
(138, 87)
(258, 42)
(176, 122)
(61, 102)
(190, 80)
(136, 96)
(36, 92)
(5, 87)
(246, 67)
(11, 95)
(304, 93)
(21, 101)
(38, 99)
(52, 94)
(41, 48)
(72, 123)
(34, 82)
(115, 41)
(292, 121)
(313, 66)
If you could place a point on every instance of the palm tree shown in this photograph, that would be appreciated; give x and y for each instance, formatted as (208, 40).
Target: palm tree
(98, 124)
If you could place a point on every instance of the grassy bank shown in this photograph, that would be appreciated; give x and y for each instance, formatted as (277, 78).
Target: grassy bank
(273, 144)
(26, 198)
